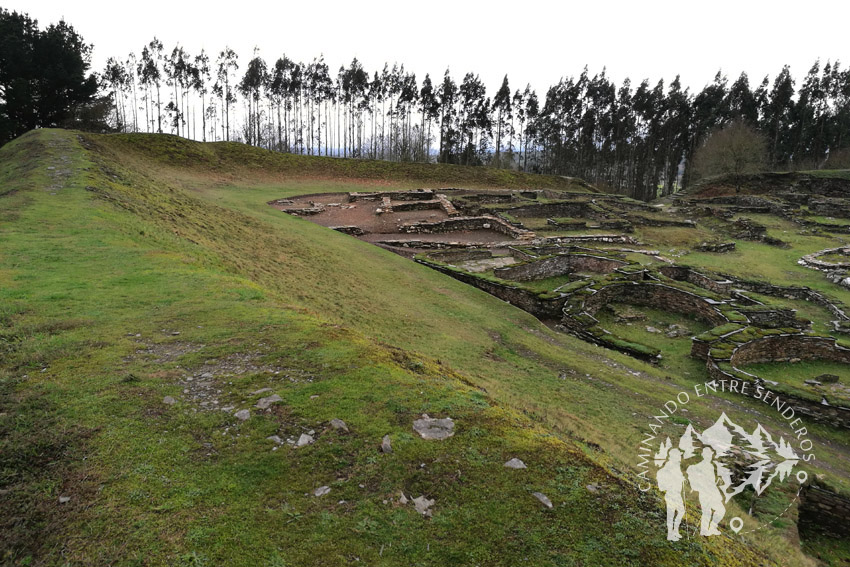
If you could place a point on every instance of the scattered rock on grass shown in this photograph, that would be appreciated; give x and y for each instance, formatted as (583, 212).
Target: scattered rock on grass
(169, 401)
(386, 445)
(423, 505)
(431, 428)
(515, 464)
(264, 403)
(543, 499)
(242, 415)
(64, 499)
(304, 440)
(322, 490)
(339, 425)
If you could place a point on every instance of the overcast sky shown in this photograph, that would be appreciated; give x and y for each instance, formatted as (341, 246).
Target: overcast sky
(533, 42)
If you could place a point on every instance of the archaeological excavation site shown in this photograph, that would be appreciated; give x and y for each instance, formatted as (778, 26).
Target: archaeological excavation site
(667, 283)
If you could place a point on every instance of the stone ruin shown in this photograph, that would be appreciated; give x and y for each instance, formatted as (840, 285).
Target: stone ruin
(504, 243)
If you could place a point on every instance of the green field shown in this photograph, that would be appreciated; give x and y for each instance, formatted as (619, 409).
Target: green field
(130, 264)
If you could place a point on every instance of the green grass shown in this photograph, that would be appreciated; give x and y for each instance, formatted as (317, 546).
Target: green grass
(794, 376)
(153, 236)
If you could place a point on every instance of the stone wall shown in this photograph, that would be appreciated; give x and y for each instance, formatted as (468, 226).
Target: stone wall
(830, 207)
(525, 300)
(835, 416)
(465, 223)
(686, 274)
(719, 247)
(415, 195)
(838, 309)
(578, 209)
(656, 295)
(417, 205)
(823, 511)
(778, 318)
(776, 348)
(558, 265)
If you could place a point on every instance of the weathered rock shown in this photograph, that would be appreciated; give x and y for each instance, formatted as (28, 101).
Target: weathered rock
(322, 490)
(652, 330)
(403, 499)
(592, 488)
(265, 403)
(242, 415)
(206, 375)
(386, 445)
(827, 378)
(261, 391)
(169, 401)
(431, 428)
(812, 382)
(543, 499)
(423, 505)
(339, 425)
(276, 439)
(515, 464)
(64, 499)
(304, 440)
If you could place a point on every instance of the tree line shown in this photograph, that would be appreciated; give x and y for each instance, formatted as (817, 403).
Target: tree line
(639, 139)
(634, 139)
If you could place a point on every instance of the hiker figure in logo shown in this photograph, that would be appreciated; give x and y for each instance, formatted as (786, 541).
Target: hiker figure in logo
(671, 482)
(703, 480)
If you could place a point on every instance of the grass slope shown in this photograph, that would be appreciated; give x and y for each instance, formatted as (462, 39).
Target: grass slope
(122, 277)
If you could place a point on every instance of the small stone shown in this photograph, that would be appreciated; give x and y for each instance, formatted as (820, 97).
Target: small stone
(403, 499)
(652, 330)
(423, 505)
(515, 464)
(304, 440)
(276, 439)
(64, 499)
(339, 425)
(793, 360)
(543, 499)
(261, 391)
(322, 490)
(314, 396)
(812, 382)
(242, 415)
(264, 403)
(592, 488)
(386, 445)
(828, 378)
(431, 428)
(169, 401)
(207, 375)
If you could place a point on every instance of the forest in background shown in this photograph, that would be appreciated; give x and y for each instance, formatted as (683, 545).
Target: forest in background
(638, 139)
(635, 139)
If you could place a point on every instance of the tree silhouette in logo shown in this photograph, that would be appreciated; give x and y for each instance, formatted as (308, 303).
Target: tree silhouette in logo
(713, 474)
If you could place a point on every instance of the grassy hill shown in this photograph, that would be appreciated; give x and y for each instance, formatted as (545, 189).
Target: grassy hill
(141, 270)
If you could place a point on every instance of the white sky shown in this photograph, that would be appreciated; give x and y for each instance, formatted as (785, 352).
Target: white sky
(533, 42)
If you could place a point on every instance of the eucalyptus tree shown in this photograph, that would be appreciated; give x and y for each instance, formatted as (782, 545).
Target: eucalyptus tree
(502, 106)
(150, 76)
(115, 75)
(226, 66)
(430, 108)
(251, 86)
(447, 95)
(130, 69)
(200, 82)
